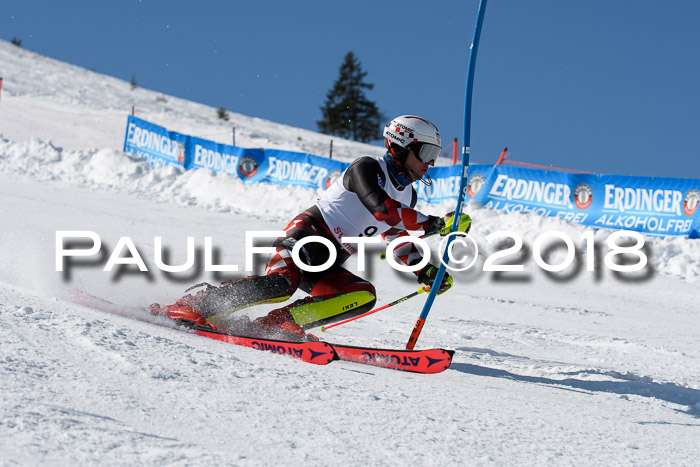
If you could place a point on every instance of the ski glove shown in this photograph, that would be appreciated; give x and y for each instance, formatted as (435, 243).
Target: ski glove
(434, 225)
(427, 275)
(443, 225)
(465, 224)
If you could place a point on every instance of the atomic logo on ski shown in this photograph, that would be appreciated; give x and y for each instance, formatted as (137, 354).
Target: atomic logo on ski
(433, 361)
(315, 354)
(391, 358)
(278, 349)
(418, 361)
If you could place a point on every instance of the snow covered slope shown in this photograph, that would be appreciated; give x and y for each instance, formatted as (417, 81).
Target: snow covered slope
(75, 108)
(578, 367)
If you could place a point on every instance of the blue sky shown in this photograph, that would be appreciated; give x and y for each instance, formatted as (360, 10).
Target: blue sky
(607, 86)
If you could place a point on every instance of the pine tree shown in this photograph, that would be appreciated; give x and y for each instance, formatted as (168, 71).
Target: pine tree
(222, 113)
(347, 112)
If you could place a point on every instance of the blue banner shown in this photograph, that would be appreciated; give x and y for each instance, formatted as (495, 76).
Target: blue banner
(546, 193)
(253, 165)
(695, 229)
(248, 164)
(295, 168)
(156, 144)
(479, 176)
(446, 181)
(657, 206)
(445, 184)
(661, 206)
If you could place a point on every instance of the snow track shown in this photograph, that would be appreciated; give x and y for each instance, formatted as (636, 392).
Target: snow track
(580, 369)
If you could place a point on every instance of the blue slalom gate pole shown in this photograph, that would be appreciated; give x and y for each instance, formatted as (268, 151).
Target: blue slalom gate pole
(466, 141)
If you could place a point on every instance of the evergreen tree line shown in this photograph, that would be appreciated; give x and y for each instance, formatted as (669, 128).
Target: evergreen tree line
(348, 112)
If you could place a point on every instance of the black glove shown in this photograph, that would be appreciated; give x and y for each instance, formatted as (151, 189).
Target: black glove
(434, 224)
(427, 275)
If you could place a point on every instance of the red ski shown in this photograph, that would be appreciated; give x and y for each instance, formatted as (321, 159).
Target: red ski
(318, 353)
(427, 361)
(417, 361)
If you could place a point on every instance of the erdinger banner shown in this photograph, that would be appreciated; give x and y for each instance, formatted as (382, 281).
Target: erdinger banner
(158, 145)
(446, 182)
(295, 168)
(546, 193)
(662, 206)
(232, 160)
(658, 206)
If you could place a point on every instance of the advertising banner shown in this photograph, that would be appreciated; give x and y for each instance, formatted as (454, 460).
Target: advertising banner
(695, 229)
(660, 206)
(295, 168)
(547, 193)
(156, 144)
(479, 177)
(657, 206)
(231, 160)
(252, 165)
(446, 182)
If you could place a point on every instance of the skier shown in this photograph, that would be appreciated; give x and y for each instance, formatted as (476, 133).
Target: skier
(373, 196)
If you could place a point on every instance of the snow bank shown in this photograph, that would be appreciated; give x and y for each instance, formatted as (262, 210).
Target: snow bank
(115, 171)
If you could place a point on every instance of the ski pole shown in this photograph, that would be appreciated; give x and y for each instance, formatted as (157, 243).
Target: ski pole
(425, 288)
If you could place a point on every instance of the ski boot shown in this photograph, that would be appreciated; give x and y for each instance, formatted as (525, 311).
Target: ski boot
(281, 320)
(313, 311)
(184, 310)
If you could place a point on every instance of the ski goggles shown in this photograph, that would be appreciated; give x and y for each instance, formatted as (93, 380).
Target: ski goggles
(426, 152)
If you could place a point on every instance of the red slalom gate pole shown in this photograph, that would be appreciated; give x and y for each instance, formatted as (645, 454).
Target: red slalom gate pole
(503, 156)
(425, 288)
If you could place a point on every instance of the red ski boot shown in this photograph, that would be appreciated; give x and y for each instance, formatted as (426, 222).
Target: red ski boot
(184, 309)
(179, 311)
(280, 320)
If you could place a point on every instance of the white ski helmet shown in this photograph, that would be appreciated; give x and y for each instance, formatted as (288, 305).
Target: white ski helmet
(416, 134)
